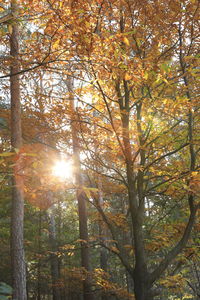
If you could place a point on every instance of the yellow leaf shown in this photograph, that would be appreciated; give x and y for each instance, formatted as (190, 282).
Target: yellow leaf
(165, 80)
(146, 75)
(194, 173)
(35, 164)
(7, 154)
(29, 154)
(56, 44)
(126, 41)
(127, 76)
(87, 192)
(10, 28)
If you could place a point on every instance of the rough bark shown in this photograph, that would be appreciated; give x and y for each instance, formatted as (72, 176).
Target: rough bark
(17, 217)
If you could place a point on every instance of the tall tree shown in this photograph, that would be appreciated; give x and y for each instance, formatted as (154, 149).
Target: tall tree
(140, 88)
(81, 197)
(17, 218)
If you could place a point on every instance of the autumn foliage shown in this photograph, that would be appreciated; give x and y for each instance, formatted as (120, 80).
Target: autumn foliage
(113, 86)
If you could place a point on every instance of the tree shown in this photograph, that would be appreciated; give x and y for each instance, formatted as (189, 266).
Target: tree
(81, 198)
(136, 94)
(17, 218)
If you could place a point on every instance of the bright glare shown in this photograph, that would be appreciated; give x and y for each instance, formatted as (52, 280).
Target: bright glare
(63, 169)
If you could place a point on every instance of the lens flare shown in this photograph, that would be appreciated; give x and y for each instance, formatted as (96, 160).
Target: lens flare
(63, 169)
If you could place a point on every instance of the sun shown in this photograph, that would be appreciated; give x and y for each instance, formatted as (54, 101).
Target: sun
(63, 169)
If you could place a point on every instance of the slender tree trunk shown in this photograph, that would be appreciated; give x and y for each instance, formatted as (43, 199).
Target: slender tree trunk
(81, 198)
(54, 259)
(39, 260)
(102, 233)
(17, 217)
(58, 238)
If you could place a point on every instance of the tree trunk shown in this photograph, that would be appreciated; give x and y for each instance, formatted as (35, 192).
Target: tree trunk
(102, 233)
(81, 198)
(17, 217)
(54, 259)
(135, 193)
(39, 294)
(129, 282)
